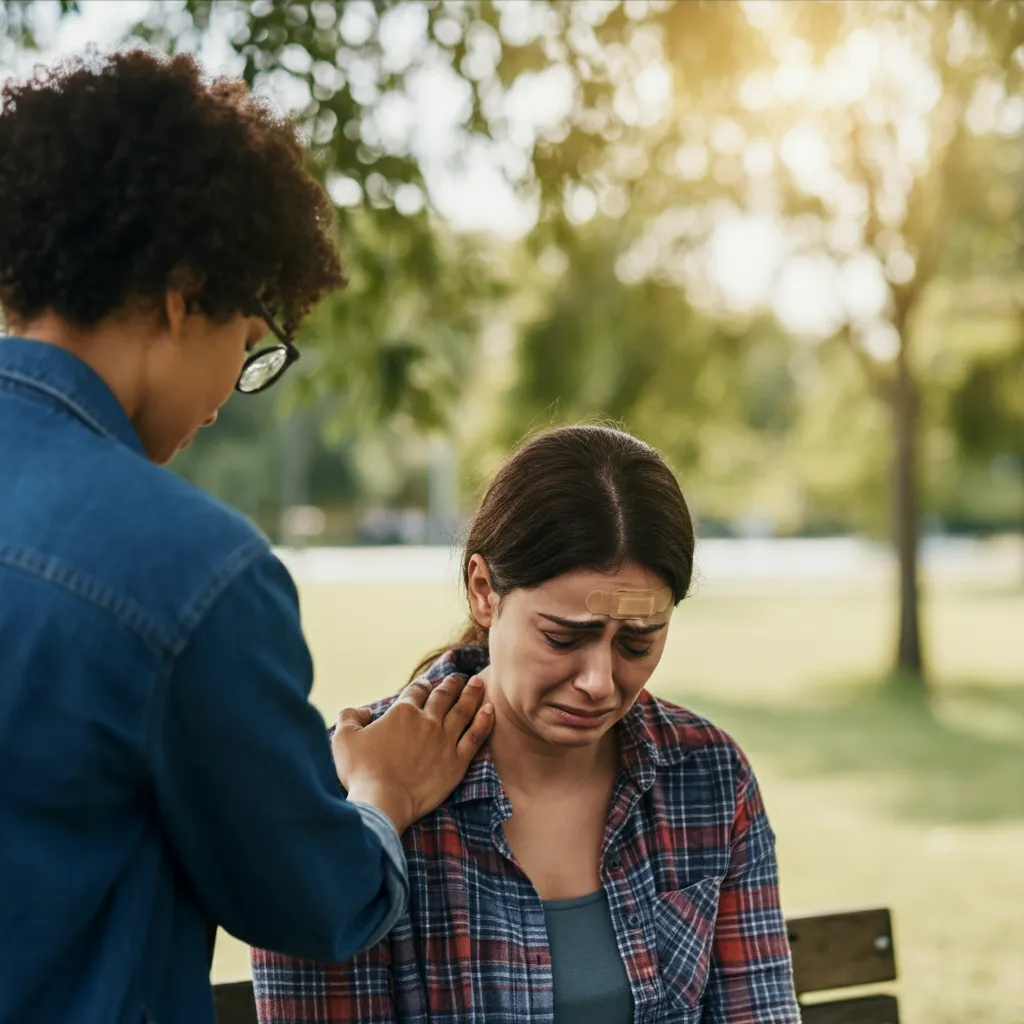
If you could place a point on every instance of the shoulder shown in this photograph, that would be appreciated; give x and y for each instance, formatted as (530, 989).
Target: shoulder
(701, 772)
(679, 735)
(463, 661)
(208, 528)
(157, 540)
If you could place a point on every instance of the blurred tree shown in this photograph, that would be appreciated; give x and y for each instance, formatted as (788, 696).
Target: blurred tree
(880, 140)
(885, 135)
(19, 23)
(715, 394)
(988, 410)
(896, 111)
(396, 342)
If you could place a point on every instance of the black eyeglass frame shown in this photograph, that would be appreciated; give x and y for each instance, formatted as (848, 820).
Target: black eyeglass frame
(291, 353)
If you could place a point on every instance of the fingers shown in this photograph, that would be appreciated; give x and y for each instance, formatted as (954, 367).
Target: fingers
(354, 718)
(443, 696)
(416, 693)
(463, 710)
(478, 731)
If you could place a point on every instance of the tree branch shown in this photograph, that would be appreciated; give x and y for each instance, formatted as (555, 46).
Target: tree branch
(878, 380)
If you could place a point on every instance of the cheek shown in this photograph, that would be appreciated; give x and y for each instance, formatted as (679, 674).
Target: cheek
(526, 666)
(230, 367)
(633, 676)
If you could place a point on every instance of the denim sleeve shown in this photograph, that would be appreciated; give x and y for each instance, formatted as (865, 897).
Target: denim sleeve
(246, 791)
(396, 871)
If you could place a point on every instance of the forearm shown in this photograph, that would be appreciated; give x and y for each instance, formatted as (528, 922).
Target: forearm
(396, 870)
(247, 791)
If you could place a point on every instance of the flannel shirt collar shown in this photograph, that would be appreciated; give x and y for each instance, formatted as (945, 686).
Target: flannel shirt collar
(647, 740)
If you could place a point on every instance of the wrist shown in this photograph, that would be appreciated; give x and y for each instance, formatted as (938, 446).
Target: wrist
(394, 805)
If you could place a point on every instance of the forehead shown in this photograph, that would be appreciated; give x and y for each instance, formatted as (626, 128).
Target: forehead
(567, 594)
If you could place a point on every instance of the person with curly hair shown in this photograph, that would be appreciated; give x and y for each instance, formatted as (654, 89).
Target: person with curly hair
(161, 769)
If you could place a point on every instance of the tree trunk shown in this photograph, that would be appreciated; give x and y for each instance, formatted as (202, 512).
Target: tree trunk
(909, 663)
(1020, 474)
(297, 442)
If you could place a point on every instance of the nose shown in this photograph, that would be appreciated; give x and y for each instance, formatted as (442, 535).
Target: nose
(210, 420)
(595, 678)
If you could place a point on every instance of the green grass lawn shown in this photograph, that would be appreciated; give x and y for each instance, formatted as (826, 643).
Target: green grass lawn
(875, 797)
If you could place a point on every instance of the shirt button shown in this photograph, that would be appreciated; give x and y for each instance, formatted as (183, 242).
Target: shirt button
(633, 920)
(615, 864)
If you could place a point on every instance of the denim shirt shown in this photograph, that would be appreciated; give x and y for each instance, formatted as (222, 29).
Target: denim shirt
(161, 768)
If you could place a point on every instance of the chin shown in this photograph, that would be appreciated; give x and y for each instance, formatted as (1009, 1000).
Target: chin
(178, 449)
(165, 456)
(567, 736)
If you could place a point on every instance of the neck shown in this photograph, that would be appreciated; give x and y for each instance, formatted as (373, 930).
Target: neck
(529, 764)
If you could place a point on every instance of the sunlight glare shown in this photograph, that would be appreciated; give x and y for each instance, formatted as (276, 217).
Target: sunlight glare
(792, 80)
(806, 296)
(862, 287)
(743, 258)
(653, 85)
(805, 153)
(880, 340)
(756, 91)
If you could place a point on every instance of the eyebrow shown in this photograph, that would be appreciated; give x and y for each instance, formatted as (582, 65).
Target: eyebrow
(599, 624)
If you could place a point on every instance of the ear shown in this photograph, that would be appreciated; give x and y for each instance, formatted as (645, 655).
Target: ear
(175, 311)
(483, 600)
(183, 286)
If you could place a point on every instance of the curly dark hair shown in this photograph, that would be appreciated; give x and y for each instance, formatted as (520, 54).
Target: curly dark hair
(118, 171)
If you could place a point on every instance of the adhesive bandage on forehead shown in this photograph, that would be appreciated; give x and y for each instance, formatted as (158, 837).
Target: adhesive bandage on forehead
(629, 604)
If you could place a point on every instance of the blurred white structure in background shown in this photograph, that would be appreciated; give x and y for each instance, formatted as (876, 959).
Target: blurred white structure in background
(729, 564)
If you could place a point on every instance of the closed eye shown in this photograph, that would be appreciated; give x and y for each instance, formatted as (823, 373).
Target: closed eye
(559, 645)
(565, 644)
(637, 652)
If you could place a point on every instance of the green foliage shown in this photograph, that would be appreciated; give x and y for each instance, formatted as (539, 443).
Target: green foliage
(716, 396)
(395, 344)
(655, 111)
(18, 22)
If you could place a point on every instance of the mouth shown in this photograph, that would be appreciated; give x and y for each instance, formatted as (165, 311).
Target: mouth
(577, 718)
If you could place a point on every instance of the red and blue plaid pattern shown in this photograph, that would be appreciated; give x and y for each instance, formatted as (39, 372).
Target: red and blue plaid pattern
(688, 865)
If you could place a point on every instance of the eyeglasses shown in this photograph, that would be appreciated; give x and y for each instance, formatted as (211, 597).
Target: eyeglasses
(267, 366)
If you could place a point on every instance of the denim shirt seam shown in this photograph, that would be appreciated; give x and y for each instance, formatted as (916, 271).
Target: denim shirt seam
(240, 561)
(194, 612)
(57, 572)
(69, 401)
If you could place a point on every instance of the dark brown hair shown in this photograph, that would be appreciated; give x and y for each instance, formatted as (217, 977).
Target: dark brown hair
(117, 171)
(582, 497)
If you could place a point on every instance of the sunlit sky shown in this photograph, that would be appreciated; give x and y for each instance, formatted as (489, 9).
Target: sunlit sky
(752, 261)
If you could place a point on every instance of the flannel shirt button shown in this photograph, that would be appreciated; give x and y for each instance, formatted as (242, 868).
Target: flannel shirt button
(615, 864)
(633, 920)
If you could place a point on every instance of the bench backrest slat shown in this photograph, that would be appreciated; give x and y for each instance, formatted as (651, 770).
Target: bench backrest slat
(866, 1010)
(841, 950)
(234, 1002)
(829, 951)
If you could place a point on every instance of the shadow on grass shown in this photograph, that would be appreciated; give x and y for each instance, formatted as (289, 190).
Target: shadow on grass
(959, 760)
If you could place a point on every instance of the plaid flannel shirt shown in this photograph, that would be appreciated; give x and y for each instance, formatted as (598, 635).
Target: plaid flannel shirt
(688, 865)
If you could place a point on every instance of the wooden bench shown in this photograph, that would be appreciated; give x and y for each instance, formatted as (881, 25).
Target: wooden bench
(234, 1002)
(844, 950)
(830, 951)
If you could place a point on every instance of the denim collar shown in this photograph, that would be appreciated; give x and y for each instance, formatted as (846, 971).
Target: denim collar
(47, 373)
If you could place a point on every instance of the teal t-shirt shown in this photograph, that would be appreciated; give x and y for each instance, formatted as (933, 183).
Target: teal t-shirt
(590, 980)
